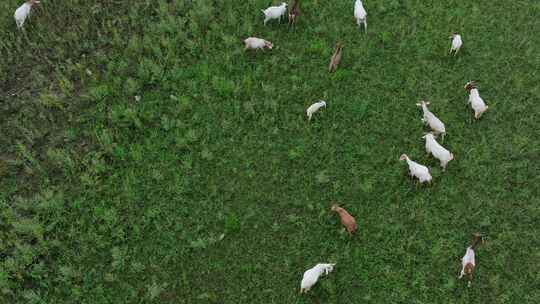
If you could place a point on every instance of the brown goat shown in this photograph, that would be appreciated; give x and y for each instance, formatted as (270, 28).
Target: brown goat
(336, 58)
(294, 12)
(346, 219)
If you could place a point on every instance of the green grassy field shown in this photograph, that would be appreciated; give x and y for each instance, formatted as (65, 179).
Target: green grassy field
(214, 188)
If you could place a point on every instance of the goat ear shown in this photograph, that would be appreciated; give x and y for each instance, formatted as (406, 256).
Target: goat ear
(418, 104)
(427, 103)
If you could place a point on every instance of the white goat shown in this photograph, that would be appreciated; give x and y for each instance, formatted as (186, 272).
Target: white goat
(274, 12)
(438, 151)
(477, 103)
(456, 43)
(430, 119)
(257, 43)
(360, 14)
(314, 108)
(417, 170)
(23, 12)
(311, 276)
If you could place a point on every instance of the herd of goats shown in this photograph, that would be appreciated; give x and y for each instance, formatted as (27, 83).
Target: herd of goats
(416, 170)
(421, 172)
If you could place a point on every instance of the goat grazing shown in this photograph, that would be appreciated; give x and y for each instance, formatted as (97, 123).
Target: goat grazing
(274, 12)
(416, 170)
(360, 14)
(438, 151)
(257, 43)
(468, 261)
(294, 12)
(311, 276)
(477, 103)
(336, 58)
(23, 12)
(346, 219)
(314, 108)
(456, 43)
(430, 119)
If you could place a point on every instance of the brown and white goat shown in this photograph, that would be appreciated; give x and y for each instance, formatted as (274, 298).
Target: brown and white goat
(468, 261)
(477, 103)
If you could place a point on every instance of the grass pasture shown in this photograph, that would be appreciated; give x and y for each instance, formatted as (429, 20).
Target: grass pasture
(214, 188)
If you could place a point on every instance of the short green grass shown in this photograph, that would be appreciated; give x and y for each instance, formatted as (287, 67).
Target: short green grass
(213, 188)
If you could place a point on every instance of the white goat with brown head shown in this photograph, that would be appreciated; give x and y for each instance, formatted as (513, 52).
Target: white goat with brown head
(468, 262)
(477, 103)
